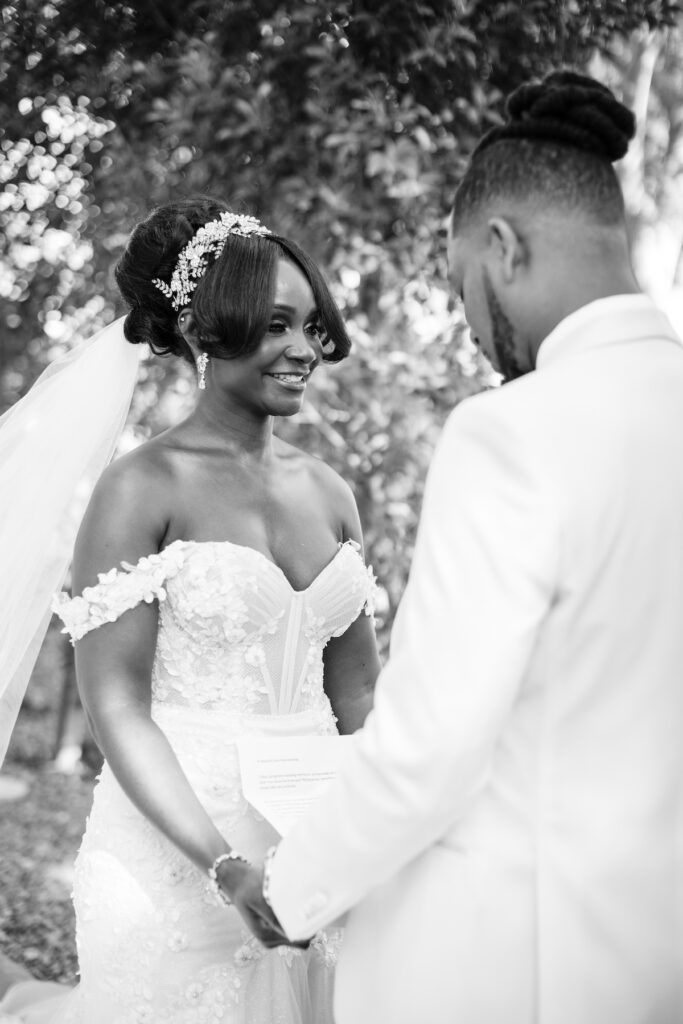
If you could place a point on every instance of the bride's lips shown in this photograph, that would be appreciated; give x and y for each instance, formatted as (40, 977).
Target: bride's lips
(290, 381)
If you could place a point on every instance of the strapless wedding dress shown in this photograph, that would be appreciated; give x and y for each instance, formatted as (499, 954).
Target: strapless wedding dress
(239, 652)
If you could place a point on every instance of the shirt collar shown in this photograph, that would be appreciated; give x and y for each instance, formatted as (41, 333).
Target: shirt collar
(617, 318)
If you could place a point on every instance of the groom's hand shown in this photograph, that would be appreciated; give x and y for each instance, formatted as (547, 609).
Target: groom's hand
(247, 897)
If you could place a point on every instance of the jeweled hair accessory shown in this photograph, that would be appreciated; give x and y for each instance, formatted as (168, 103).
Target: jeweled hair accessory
(193, 262)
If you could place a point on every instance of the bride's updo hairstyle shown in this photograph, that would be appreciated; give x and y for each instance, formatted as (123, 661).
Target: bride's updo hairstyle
(232, 303)
(555, 150)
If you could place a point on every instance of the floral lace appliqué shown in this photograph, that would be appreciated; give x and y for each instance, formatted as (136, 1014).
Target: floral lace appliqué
(117, 591)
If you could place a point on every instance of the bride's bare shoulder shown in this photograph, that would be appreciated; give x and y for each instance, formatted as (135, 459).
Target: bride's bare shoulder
(332, 490)
(131, 505)
(146, 470)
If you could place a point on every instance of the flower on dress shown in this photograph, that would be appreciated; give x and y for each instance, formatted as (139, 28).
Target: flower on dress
(194, 992)
(177, 942)
(315, 626)
(373, 592)
(250, 950)
(254, 689)
(254, 656)
(76, 608)
(326, 947)
(173, 874)
(108, 577)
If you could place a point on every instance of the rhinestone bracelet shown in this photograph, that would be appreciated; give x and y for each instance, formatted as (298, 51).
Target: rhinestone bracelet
(216, 889)
(267, 864)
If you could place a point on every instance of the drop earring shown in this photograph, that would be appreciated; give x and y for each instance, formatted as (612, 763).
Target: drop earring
(202, 363)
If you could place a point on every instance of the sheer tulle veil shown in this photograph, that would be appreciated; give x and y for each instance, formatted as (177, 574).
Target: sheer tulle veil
(54, 444)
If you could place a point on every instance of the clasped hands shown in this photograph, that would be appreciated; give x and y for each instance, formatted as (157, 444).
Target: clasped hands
(244, 883)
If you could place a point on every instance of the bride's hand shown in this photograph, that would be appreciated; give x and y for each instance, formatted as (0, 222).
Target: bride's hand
(244, 885)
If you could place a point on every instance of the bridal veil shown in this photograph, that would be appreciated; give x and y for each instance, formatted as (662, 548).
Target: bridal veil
(54, 444)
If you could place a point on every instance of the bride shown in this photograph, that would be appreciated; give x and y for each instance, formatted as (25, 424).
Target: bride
(219, 584)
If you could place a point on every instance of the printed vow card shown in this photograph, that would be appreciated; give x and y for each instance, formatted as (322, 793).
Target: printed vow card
(284, 777)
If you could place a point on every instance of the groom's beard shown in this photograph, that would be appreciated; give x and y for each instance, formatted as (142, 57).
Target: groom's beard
(502, 335)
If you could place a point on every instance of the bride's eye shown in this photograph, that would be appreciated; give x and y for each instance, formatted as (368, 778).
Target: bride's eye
(277, 327)
(316, 330)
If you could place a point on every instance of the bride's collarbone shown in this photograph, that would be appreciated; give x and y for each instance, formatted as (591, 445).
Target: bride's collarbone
(283, 513)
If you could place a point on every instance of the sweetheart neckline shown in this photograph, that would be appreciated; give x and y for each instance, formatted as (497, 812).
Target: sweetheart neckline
(352, 544)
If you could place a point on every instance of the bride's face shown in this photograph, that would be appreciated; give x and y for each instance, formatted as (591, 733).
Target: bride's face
(272, 379)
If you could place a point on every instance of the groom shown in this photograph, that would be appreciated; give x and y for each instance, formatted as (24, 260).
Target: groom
(507, 833)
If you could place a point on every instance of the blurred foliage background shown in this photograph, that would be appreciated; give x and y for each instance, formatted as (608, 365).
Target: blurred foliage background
(342, 123)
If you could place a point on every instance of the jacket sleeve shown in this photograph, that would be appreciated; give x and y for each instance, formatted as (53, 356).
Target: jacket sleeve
(481, 582)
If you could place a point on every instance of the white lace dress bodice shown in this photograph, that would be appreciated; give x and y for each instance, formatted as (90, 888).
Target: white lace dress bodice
(228, 613)
(239, 650)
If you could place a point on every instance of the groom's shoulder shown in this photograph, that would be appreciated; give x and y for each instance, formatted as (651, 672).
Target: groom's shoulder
(516, 403)
(518, 420)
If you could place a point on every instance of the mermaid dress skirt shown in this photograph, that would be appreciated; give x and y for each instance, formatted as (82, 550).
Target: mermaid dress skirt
(239, 652)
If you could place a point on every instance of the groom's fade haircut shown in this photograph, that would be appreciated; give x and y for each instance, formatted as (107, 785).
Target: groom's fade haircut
(555, 150)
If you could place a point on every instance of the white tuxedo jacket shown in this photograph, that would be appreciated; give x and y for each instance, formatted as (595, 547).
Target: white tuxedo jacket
(509, 830)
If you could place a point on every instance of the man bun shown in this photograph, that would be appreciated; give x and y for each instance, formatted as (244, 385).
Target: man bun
(570, 109)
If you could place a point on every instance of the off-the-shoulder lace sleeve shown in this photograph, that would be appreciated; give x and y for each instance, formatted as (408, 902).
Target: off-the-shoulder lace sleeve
(373, 592)
(366, 584)
(360, 588)
(117, 591)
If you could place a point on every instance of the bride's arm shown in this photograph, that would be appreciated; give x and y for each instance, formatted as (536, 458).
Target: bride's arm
(351, 668)
(124, 522)
(351, 661)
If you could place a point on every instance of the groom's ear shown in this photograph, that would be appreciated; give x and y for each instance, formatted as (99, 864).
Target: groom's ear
(507, 249)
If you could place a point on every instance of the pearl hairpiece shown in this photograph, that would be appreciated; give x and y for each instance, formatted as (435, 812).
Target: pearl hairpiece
(192, 261)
